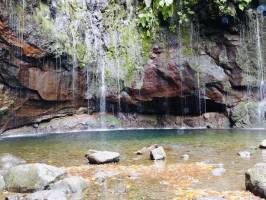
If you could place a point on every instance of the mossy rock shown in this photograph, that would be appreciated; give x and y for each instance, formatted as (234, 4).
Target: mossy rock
(31, 177)
(245, 114)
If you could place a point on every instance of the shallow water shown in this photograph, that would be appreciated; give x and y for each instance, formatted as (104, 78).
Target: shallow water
(217, 147)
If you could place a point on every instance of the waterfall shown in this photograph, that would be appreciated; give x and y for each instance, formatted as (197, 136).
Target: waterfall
(117, 63)
(260, 52)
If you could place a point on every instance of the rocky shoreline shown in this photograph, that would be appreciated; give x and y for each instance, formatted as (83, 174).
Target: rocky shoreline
(86, 122)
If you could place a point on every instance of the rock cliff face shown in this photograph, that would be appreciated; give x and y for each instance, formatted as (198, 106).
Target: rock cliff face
(62, 58)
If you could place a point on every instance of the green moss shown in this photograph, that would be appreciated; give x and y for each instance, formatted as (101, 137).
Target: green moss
(146, 45)
(187, 49)
(125, 45)
(69, 40)
(42, 18)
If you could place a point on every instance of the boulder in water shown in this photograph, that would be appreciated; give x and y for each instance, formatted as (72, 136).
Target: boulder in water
(255, 180)
(244, 154)
(158, 154)
(185, 156)
(263, 144)
(31, 177)
(7, 161)
(102, 157)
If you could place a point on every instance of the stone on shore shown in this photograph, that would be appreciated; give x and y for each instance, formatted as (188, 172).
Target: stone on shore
(71, 185)
(41, 195)
(255, 180)
(31, 177)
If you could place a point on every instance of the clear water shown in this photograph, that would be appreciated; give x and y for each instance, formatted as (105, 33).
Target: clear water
(209, 146)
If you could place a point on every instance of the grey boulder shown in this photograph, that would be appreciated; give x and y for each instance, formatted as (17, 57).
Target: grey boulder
(73, 186)
(66, 189)
(255, 180)
(31, 177)
(41, 195)
(157, 154)
(263, 144)
(102, 157)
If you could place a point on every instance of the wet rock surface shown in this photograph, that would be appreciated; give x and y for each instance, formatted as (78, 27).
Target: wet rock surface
(255, 180)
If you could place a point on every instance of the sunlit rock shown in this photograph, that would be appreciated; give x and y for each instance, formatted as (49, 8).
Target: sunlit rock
(244, 154)
(255, 180)
(73, 186)
(185, 157)
(101, 157)
(41, 195)
(31, 177)
(263, 144)
(158, 154)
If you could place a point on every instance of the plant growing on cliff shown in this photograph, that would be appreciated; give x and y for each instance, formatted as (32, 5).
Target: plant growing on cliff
(153, 10)
(148, 21)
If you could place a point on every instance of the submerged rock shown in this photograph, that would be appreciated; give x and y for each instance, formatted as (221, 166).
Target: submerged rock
(102, 157)
(255, 180)
(218, 171)
(31, 177)
(244, 154)
(158, 154)
(8, 160)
